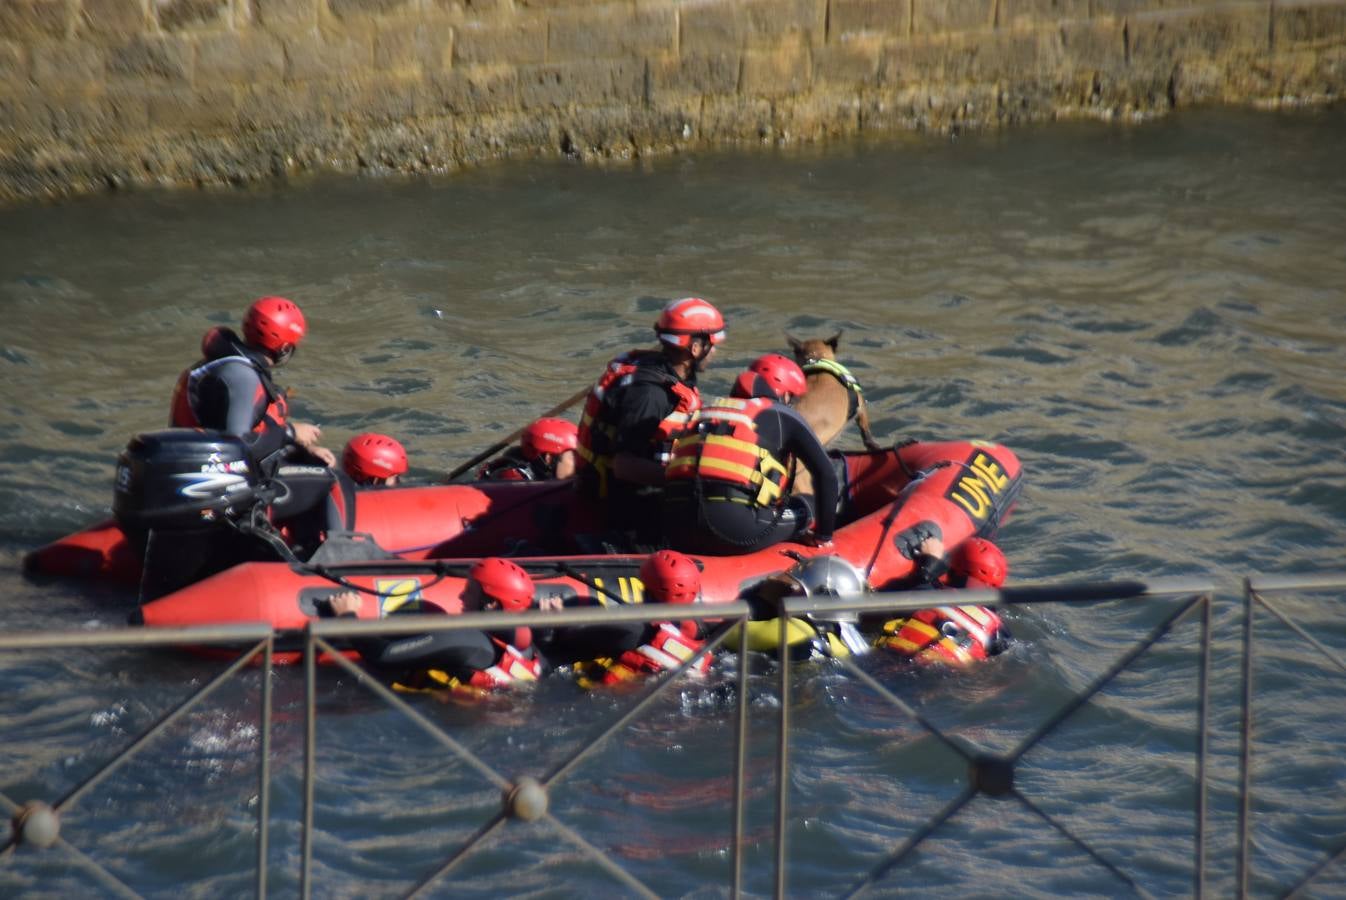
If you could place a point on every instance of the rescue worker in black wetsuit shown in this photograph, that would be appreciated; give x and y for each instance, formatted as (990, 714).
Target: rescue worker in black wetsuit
(462, 661)
(644, 399)
(728, 479)
(374, 460)
(231, 390)
(546, 451)
(954, 634)
(668, 577)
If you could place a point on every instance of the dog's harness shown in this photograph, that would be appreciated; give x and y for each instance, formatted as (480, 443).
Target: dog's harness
(840, 373)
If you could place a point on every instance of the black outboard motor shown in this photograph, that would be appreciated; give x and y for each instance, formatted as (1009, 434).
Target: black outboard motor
(187, 499)
(183, 479)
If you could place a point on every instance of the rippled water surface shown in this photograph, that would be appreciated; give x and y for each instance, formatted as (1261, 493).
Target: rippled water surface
(1153, 318)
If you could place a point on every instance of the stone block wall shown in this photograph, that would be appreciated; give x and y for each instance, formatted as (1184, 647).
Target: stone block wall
(109, 93)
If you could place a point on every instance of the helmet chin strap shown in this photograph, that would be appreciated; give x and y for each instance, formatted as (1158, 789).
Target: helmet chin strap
(705, 339)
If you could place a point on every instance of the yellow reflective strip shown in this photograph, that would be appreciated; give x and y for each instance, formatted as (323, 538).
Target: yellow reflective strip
(771, 490)
(678, 463)
(923, 628)
(709, 466)
(980, 614)
(733, 443)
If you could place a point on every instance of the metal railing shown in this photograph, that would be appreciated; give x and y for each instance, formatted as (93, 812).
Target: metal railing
(37, 823)
(1256, 594)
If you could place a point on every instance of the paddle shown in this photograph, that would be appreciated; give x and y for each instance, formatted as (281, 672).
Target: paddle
(514, 436)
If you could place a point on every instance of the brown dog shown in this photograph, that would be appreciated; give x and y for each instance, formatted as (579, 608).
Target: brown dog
(833, 398)
(834, 395)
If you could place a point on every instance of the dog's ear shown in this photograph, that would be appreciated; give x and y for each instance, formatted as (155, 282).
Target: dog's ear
(832, 341)
(795, 344)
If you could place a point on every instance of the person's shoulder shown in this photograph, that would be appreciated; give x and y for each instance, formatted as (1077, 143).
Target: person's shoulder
(785, 411)
(237, 367)
(653, 365)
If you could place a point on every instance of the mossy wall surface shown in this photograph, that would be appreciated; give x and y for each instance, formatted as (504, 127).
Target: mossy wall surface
(110, 93)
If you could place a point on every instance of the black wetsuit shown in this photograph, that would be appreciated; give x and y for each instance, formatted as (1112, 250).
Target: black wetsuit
(637, 414)
(231, 391)
(706, 515)
(406, 658)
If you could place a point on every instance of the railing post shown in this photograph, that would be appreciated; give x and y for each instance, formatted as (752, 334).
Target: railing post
(310, 762)
(740, 755)
(1245, 746)
(782, 746)
(1202, 736)
(264, 772)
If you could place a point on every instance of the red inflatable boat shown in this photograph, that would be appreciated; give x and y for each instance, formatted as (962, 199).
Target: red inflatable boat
(892, 501)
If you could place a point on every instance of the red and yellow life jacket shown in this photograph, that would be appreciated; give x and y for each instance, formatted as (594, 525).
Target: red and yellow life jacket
(954, 635)
(511, 667)
(597, 439)
(671, 646)
(723, 447)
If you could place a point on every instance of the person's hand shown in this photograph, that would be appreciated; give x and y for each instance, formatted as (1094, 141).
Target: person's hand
(932, 546)
(306, 436)
(551, 604)
(323, 455)
(346, 603)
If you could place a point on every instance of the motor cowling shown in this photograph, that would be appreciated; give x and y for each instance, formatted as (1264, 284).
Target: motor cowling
(183, 479)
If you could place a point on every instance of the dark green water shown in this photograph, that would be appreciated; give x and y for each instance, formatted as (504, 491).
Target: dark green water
(1152, 318)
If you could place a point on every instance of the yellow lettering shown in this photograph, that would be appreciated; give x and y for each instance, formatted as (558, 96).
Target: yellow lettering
(397, 593)
(974, 487)
(990, 472)
(599, 594)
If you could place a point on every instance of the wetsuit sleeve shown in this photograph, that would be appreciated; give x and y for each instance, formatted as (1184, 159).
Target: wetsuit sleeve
(242, 404)
(640, 409)
(452, 651)
(797, 438)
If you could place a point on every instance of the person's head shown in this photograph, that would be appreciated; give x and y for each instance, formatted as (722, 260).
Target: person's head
(670, 577)
(553, 441)
(498, 583)
(828, 576)
(773, 376)
(372, 458)
(275, 326)
(690, 329)
(977, 559)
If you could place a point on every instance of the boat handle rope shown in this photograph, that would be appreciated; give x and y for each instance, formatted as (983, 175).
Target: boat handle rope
(888, 520)
(586, 580)
(262, 528)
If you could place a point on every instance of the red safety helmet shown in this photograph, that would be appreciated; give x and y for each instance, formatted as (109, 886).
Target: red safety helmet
(682, 320)
(978, 558)
(671, 577)
(782, 373)
(504, 582)
(274, 324)
(549, 436)
(371, 457)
